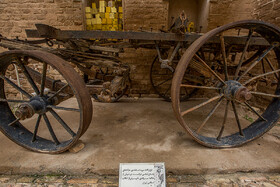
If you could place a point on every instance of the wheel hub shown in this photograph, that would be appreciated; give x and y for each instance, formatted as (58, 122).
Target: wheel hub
(233, 90)
(35, 105)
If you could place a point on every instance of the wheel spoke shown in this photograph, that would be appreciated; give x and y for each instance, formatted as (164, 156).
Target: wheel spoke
(43, 81)
(265, 94)
(15, 86)
(168, 89)
(224, 122)
(201, 87)
(50, 129)
(18, 80)
(164, 82)
(253, 110)
(61, 121)
(271, 67)
(15, 121)
(237, 118)
(58, 92)
(243, 54)
(36, 128)
(257, 61)
(210, 114)
(201, 105)
(224, 56)
(213, 72)
(13, 101)
(63, 108)
(262, 75)
(28, 77)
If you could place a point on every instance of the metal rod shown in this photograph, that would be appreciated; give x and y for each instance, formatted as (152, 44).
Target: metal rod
(164, 82)
(15, 121)
(13, 101)
(210, 114)
(265, 94)
(262, 75)
(43, 81)
(201, 87)
(243, 54)
(251, 108)
(18, 80)
(50, 129)
(36, 128)
(201, 105)
(257, 61)
(63, 108)
(205, 64)
(62, 122)
(272, 67)
(15, 86)
(28, 77)
(58, 92)
(224, 122)
(224, 55)
(237, 118)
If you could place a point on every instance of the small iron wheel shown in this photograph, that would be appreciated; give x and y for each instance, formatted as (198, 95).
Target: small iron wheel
(161, 80)
(240, 95)
(45, 106)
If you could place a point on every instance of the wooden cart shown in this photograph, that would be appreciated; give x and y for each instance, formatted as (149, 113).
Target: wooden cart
(233, 65)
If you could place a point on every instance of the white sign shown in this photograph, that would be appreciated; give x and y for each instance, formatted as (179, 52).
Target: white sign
(142, 175)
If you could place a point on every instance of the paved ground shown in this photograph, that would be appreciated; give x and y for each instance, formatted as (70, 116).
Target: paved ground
(142, 130)
(239, 179)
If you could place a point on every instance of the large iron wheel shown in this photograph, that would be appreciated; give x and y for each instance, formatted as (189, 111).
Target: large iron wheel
(45, 107)
(241, 89)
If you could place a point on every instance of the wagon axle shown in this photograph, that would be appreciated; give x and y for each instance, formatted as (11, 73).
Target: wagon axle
(233, 90)
(36, 105)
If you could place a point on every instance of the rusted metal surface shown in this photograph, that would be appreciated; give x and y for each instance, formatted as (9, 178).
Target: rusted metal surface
(235, 83)
(43, 103)
(45, 31)
(107, 77)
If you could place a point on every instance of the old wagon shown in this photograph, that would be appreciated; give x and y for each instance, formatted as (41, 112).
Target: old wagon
(234, 67)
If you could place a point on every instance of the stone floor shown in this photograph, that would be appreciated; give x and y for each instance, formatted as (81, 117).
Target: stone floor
(238, 179)
(143, 131)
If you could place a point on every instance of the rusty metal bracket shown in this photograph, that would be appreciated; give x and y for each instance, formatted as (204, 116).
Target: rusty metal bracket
(165, 62)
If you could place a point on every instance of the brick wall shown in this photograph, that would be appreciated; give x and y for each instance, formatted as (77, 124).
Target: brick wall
(145, 13)
(18, 15)
(226, 11)
(268, 10)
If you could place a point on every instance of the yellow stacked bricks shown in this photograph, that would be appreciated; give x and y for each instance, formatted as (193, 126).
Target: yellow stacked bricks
(104, 21)
(88, 15)
(109, 21)
(94, 21)
(88, 21)
(120, 9)
(98, 22)
(112, 15)
(114, 10)
(94, 5)
(102, 15)
(107, 16)
(102, 6)
(115, 22)
(88, 10)
(94, 11)
(108, 9)
(111, 3)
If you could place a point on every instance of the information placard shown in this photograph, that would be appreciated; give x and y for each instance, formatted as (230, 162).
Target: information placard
(142, 175)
